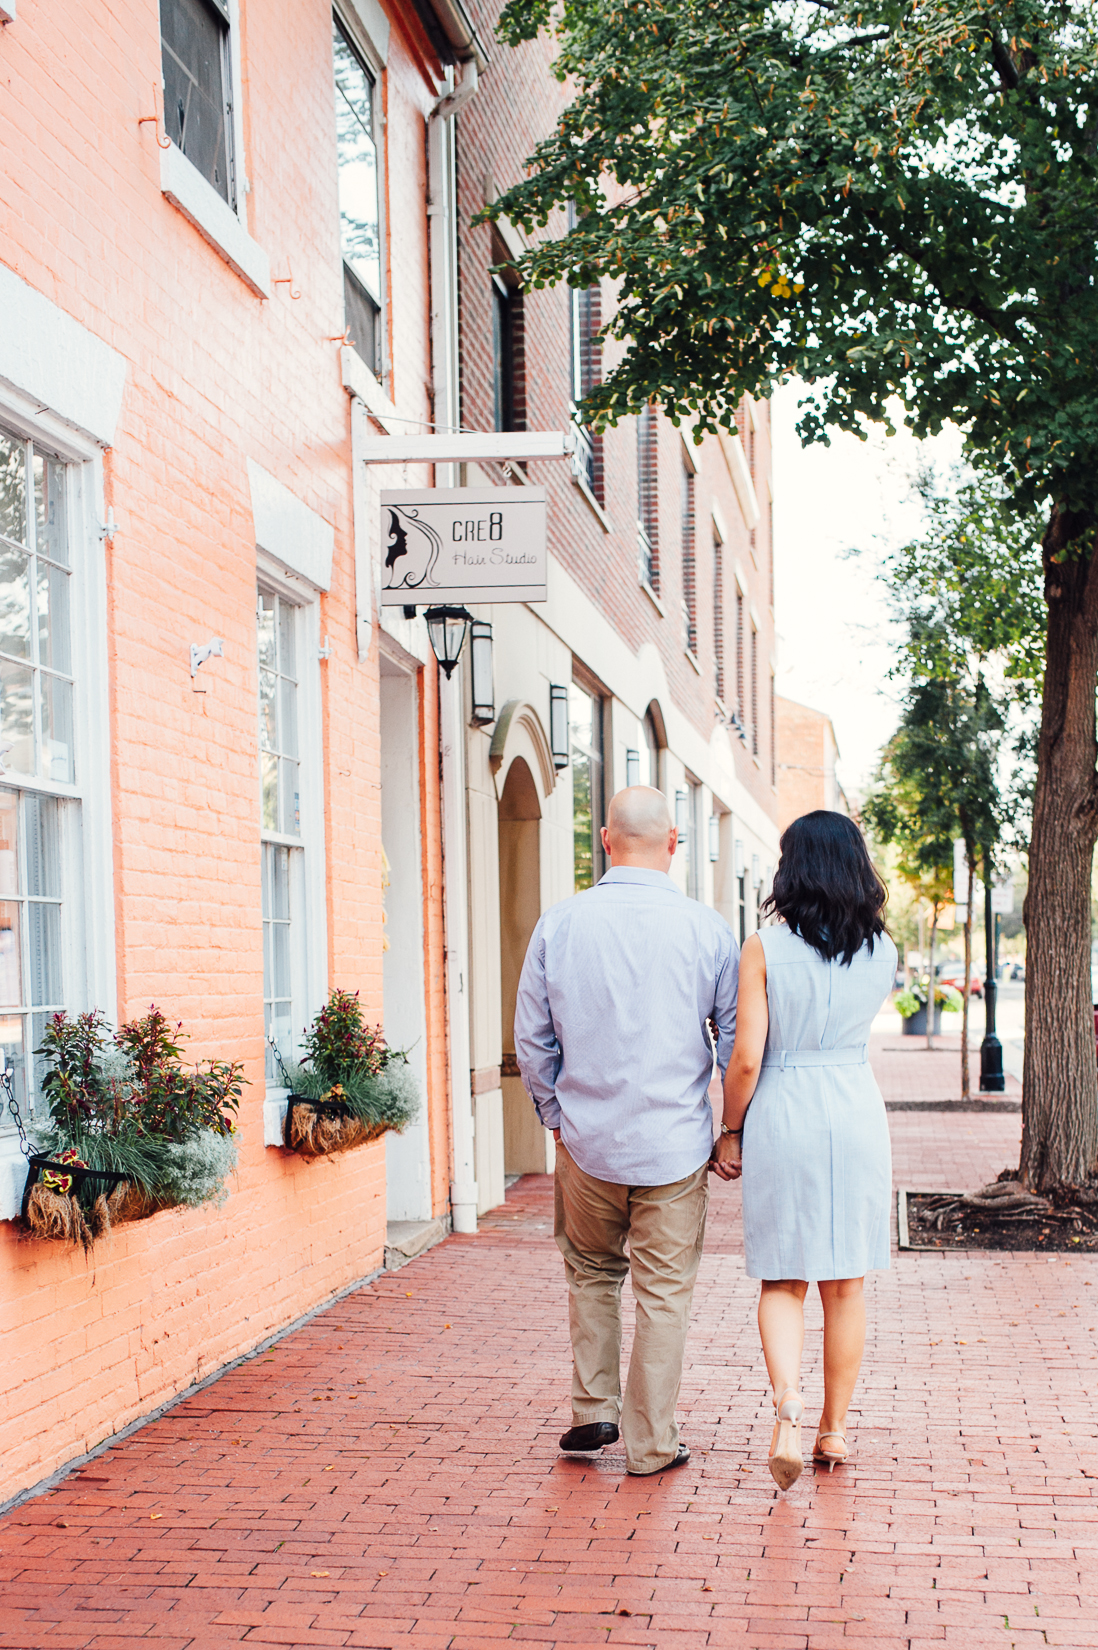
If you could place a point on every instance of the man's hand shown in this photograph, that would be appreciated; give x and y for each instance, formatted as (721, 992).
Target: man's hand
(726, 1158)
(556, 1134)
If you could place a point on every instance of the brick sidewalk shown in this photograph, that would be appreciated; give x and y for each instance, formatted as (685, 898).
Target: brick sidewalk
(387, 1475)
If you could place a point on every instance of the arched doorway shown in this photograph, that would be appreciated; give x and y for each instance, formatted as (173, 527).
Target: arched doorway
(524, 1139)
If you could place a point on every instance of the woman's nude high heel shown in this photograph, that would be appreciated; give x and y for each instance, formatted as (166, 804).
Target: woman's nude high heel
(834, 1457)
(786, 1461)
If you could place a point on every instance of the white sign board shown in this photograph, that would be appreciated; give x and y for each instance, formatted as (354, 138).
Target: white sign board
(462, 544)
(1002, 889)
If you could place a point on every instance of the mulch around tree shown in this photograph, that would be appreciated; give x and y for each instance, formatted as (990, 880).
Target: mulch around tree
(938, 1221)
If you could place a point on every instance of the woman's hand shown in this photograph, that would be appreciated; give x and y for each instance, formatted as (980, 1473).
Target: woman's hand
(726, 1158)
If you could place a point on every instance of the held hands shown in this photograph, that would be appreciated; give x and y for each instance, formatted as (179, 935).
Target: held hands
(726, 1158)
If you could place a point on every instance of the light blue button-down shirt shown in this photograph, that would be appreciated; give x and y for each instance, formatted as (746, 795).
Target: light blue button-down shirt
(610, 1025)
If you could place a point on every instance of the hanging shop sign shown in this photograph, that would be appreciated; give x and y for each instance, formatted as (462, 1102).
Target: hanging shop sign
(462, 544)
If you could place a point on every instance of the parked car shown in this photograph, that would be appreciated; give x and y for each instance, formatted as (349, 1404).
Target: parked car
(953, 973)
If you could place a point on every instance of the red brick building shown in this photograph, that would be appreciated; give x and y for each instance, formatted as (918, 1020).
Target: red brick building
(807, 753)
(205, 321)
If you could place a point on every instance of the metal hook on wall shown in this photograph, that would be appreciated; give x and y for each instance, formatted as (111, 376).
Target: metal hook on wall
(287, 280)
(163, 142)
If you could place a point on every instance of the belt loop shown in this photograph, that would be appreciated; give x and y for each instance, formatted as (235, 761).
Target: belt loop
(781, 1059)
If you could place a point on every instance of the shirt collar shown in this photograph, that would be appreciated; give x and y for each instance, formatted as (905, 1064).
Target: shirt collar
(638, 873)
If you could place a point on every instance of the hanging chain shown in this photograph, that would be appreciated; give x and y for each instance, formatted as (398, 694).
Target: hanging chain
(281, 1063)
(13, 1107)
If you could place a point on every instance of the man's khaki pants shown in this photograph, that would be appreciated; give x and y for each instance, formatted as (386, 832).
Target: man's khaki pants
(665, 1228)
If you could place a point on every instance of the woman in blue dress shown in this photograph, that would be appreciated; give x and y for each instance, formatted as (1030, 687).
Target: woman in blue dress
(804, 1121)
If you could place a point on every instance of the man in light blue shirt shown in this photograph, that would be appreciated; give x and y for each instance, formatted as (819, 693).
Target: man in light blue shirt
(614, 1050)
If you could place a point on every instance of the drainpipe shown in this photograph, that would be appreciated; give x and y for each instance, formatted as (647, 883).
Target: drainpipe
(442, 214)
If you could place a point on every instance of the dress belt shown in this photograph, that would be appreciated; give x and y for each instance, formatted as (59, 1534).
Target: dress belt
(782, 1057)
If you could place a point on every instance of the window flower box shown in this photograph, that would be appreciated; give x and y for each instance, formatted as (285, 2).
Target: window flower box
(130, 1130)
(350, 1088)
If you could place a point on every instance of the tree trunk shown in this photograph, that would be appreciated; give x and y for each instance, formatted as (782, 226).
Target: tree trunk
(966, 1088)
(1060, 1091)
(931, 989)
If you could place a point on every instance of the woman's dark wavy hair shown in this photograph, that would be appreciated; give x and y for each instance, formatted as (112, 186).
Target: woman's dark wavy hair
(826, 886)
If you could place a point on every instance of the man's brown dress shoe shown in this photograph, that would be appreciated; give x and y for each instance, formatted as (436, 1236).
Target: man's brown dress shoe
(589, 1439)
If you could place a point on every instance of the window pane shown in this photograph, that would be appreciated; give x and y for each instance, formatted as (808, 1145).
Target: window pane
(17, 716)
(9, 843)
(265, 619)
(288, 724)
(11, 1051)
(13, 487)
(268, 769)
(582, 731)
(11, 957)
(41, 817)
(361, 314)
(193, 42)
(53, 618)
(357, 159)
(268, 714)
(280, 884)
(51, 538)
(291, 798)
(280, 959)
(44, 923)
(14, 603)
(287, 652)
(57, 759)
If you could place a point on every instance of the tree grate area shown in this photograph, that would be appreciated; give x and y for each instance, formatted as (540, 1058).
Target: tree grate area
(1004, 1215)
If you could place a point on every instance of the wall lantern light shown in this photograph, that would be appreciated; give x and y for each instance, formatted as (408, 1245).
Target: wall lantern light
(558, 724)
(739, 857)
(682, 818)
(632, 767)
(714, 838)
(756, 871)
(480, 661)
(447, 628)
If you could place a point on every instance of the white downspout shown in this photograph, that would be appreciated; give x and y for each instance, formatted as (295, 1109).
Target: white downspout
(442, 214)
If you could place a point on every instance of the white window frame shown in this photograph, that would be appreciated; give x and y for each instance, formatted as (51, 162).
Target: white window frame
(89, 967)
(308, 877)
(369, 35)
(224, 226)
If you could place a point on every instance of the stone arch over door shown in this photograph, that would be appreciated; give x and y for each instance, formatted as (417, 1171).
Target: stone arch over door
(524, 1139)
(519, 733)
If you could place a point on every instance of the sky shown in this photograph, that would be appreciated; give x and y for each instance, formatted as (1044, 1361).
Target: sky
(835, 639)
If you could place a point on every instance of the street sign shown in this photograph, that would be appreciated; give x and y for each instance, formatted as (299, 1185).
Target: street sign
(463, 544)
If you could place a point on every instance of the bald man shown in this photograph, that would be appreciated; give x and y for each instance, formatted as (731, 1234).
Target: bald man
(613, 1048)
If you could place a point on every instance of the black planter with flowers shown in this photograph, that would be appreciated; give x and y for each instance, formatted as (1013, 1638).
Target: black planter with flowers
(350, 1088)
(129, 1129)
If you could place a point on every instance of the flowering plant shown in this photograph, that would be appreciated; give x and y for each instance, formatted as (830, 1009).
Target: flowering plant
(911, 1000)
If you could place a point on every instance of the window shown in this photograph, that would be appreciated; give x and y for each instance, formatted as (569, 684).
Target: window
(687, 805)
(754, 691)
(359, 198)
(39, 832)
(718, 615)
(741, 905)
(689, 572)
(280, 817)
(507, 356)
(773, 743)
(586, 374)
(587, 789)
(194, 49)
(651, 740)
(648, 529)
(740, 708)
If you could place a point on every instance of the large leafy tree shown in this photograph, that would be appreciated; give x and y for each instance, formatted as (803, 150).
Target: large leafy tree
(897, 200)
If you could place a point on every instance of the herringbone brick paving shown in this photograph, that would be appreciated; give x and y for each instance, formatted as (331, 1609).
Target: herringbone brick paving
(387, 1475)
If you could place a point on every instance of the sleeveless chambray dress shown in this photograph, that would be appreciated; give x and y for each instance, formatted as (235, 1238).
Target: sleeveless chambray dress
(817, 1160)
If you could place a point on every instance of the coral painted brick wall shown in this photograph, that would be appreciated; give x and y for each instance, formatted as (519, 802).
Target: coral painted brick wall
(216, 376)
